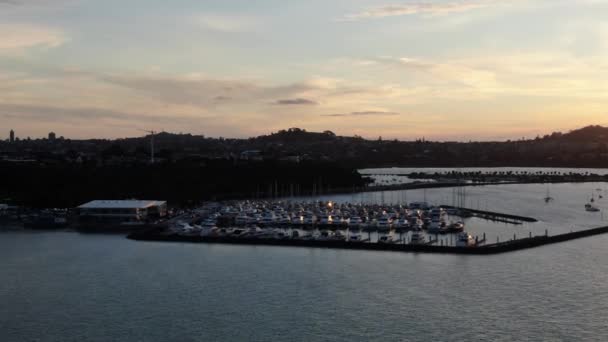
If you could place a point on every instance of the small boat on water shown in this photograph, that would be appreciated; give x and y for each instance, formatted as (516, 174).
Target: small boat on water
(548, 197)
(456, 227)
(591, 208)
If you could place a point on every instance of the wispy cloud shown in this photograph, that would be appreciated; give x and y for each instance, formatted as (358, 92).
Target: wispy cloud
(423, 8)
(365, 113)
(204, 92)
(15, 38)
(37, 4)
(52, 113)
(296, 102)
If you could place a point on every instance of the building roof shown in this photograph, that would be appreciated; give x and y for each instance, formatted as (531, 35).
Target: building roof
(121, 204)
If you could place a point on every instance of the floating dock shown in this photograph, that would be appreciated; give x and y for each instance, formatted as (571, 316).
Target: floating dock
(502, 247)
(494, 216)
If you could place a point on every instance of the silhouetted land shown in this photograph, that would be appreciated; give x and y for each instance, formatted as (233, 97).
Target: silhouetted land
(63, 172)
(586, 147)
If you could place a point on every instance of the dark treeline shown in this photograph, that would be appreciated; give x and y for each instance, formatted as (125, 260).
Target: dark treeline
(512, 176)
(585, 147)
(68, 185)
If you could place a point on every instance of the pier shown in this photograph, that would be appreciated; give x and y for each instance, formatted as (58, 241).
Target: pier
(484, 249)
(494, 216)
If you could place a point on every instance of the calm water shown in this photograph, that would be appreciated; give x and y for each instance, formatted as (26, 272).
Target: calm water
(385, 176)
(406, 170)
(62, 286)
(72, 287)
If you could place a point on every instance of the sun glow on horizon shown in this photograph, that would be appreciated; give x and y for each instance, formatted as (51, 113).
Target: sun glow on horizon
(441, 70)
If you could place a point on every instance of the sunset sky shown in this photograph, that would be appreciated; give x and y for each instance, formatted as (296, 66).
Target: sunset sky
(447, 70)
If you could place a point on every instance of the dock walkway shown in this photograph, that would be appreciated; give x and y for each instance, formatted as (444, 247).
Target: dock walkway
(503, 247)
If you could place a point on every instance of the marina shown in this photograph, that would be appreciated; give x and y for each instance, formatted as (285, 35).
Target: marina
(372, 221)
(477, 219)
(354, 268)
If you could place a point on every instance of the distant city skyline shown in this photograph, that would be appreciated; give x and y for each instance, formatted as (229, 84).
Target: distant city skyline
(446, 70)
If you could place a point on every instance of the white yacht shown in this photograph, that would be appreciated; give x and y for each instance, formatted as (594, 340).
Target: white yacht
(309, 219)
(254, 232)
(417, 238)
(456, 227)
(355, 238)
(386, 239)
(337, 220)
(355, 221)
(404, 224)
(325, 235)
(416, 224)
(268, 219)
(285, 219)
(297, 220)
(279, 234)
(384, 223)
(434, 227)
(325, 220)
(306, 236)
(209, 223)
(241, 219)
(465, 240)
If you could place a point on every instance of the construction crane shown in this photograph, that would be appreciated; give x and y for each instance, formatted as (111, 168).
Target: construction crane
(151, 143)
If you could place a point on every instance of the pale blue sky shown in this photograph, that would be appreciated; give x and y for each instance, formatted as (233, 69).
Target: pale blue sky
(456, 69)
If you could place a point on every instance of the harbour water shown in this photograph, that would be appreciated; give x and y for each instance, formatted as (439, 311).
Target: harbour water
(66, 286)
(564, 214)
(396, 175)
(74, 287)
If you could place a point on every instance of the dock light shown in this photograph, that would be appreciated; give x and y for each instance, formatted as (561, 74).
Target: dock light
(330, 204)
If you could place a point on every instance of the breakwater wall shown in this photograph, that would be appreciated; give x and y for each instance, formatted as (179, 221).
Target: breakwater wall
(492, 214)
(503, 247)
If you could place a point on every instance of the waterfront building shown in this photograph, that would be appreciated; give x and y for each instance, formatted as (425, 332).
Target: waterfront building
(52, 136)
(120, 211)
(12, 136)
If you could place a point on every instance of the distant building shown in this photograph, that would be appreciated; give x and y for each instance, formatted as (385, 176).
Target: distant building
(123, 211)
(12, 136)
(52, 136)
